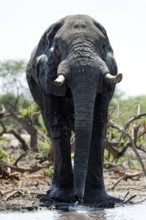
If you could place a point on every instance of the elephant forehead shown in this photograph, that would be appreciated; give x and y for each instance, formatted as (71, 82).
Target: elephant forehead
(80, 24)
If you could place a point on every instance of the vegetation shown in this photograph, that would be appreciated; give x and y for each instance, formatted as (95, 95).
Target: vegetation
(23, 134)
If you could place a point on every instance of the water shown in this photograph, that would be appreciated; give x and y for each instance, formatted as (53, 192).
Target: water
(130, 212)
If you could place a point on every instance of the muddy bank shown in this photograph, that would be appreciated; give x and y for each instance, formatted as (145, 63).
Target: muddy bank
(25, 194)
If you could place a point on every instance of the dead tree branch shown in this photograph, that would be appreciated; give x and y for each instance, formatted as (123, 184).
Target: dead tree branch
(19, 158)
(134, 118)
(22, 170)
(15, 134)
(29, 127)
(125, 176)
(131, 140)
(116, 154)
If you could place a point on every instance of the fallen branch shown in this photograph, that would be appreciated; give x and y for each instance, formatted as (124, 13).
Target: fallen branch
(125, 176)
(5, 174)
(125, 197)
(129, 200)
(21, 170)
(3, 193)
(19, 158)
(38, 177)
(13, 194)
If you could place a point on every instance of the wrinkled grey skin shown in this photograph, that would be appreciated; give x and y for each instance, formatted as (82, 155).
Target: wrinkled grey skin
(78, 48)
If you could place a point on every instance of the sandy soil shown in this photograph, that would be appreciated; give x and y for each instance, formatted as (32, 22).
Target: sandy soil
(23, 194)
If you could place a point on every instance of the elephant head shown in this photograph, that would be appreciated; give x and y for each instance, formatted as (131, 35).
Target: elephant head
(76, 53)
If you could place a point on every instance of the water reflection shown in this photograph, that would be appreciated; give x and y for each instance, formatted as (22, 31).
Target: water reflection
(83, 215)
(54, 215)
(131, 212)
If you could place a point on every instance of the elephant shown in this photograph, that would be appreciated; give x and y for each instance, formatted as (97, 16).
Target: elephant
(72, 74)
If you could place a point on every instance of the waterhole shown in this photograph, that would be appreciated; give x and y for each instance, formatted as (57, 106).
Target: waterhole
(128, 212)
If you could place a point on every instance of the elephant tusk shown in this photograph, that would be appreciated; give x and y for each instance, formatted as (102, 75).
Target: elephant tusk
(113, 79)
(59, 81)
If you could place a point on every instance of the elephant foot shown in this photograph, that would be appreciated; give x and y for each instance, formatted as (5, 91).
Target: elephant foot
(100, 198)
(59, 194)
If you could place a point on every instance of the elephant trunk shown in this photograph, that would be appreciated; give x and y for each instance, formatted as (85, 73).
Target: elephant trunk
(84, 99)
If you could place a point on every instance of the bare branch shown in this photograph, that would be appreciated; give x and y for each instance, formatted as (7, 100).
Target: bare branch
(134, 118)
(132, 141)
(125, 176)
(110, 147)
(19, 158)
(19, 138)
(21, 170)
(3, 128)
(135, 132)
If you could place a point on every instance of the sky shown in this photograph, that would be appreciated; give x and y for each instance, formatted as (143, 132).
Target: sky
(22, 23)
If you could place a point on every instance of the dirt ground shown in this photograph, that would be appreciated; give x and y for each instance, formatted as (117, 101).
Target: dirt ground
(25, 190)
(23, 194)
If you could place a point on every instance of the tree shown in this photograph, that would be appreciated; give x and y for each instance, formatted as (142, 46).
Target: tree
(13, 81)
(14, 91)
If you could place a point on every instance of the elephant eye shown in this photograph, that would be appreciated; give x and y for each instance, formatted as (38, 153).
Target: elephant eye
(56, 46)
(56, 51)
(103, 50)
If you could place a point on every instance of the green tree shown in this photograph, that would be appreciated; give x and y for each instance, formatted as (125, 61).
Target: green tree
(12, 74)
(13, 86)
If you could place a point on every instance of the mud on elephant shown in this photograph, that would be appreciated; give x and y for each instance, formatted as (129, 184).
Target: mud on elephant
(72, 75)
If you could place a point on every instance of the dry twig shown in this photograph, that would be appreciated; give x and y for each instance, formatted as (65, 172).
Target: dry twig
(125, 176)
(131, 140)
(22, 170)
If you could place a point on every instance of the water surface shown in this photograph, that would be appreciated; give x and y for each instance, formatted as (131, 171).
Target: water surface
(129, 212)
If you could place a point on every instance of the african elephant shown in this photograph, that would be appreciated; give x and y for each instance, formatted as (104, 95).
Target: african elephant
(72, 75)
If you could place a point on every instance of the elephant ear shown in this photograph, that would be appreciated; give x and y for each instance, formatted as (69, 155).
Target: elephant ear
(109, 57)
(42, 66)
(108, 53)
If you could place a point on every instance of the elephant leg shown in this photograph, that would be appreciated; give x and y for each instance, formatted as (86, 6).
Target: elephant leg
(95, 190)
(56, 121)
